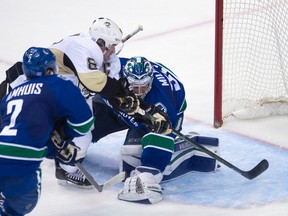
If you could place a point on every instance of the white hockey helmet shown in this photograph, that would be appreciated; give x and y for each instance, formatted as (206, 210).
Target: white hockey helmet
(107, 30)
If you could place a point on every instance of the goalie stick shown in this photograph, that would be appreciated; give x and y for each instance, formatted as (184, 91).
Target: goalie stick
(251, 174)
(112, 181)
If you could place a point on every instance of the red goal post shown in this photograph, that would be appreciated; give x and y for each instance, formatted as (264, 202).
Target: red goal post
(251, 59)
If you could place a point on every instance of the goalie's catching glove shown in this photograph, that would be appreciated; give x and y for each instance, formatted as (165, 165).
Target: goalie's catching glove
(66, 150)
(157, 120)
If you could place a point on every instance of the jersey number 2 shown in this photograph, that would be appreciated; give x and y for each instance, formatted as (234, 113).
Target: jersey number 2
(14, 107)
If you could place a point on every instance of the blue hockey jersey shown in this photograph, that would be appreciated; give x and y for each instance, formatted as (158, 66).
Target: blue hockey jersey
(29, 113)
(167, 93)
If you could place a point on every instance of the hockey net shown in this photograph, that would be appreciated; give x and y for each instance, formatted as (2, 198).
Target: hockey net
(251, 59)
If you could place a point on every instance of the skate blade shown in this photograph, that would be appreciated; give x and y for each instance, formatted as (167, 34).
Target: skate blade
(70, 184)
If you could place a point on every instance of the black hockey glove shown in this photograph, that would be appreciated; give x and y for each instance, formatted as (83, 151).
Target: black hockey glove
(158, 120)
(66, 150)
(127, 103)
(69, 155)
(124, 85)
(57, 140)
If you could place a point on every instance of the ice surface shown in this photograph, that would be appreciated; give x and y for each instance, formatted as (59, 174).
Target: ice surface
(179, 34)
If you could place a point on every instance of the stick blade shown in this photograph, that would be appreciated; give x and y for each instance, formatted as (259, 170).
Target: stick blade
(257, 170)
(98, 187)
(114, 180)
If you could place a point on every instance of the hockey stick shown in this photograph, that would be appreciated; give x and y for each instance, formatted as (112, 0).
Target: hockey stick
(251, 174)
(114, 180)
(139, 28)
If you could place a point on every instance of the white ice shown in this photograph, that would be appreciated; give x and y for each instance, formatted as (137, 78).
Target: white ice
(179, 34)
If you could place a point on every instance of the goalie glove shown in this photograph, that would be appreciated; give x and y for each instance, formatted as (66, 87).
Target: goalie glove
(158, 121)
(66, 150)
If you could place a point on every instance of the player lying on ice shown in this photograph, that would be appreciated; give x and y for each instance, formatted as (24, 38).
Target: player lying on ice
(151, 157)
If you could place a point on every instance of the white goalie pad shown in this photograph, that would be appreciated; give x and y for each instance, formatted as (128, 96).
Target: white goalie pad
(130, 158)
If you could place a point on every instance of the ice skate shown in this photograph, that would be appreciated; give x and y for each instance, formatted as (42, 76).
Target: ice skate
(76, 178)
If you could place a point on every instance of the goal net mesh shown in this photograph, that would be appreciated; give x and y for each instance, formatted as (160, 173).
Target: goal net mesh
(255, 58)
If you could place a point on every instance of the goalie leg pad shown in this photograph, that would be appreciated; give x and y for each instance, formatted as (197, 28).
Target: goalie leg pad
(157, 152)
(201, 161)
(187, 158)
(130, 158)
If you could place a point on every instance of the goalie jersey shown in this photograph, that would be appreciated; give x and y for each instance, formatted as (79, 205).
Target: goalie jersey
(29, 113)
(167, 93)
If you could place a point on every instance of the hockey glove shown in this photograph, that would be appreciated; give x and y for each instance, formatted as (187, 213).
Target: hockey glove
(57, 140)
(69, 155)
(128, 103)
(66, 150)
(159, 121)
(124, 85)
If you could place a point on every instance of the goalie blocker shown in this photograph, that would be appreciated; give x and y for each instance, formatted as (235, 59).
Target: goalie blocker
(186, 158)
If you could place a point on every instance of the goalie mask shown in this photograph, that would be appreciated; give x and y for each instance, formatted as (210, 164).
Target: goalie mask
(105, 32)
(139, 73)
